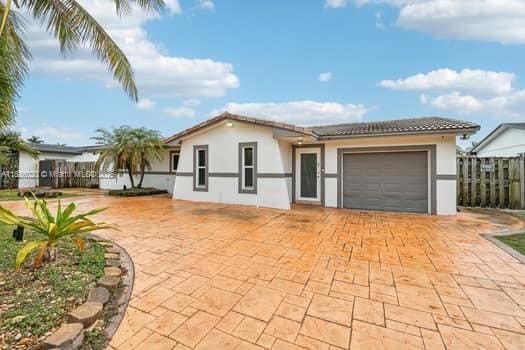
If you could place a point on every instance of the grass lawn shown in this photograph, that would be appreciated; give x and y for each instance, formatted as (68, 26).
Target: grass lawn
(517, 242)
(33, 302)
(12, 195)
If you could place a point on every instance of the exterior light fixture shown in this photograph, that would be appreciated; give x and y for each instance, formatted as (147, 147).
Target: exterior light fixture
(229, 124)
(300, 142)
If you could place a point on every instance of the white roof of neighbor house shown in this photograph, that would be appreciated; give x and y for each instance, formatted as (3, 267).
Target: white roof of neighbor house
(495, 133)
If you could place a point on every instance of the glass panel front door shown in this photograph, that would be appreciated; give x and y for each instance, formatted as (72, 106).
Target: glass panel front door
(308, 176)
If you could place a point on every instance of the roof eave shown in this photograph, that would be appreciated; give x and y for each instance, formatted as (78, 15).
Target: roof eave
(460, 131)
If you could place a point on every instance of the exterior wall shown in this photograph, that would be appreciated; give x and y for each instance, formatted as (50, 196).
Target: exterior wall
(159, 176)
(273, 162)
(275, 157)
(509, 143)
(29, 165)
(445, 165)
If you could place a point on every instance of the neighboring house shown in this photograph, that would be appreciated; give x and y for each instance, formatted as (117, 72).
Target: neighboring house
(507, 140)
(399, 165)
(159, 176)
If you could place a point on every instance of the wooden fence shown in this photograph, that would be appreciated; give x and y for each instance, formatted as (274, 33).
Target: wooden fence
(491, 182)
(64, 174)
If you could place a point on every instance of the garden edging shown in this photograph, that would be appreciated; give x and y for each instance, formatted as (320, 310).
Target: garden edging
(491, 238)
(113, 289)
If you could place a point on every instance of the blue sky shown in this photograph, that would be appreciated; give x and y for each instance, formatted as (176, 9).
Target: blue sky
(305, 62)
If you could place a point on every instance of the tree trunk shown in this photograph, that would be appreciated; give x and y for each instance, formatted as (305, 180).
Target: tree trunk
(130, 173)
(51, 254)
(142, 170)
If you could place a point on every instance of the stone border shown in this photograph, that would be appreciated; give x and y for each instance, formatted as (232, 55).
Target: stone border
(117, 282)
(491, 237)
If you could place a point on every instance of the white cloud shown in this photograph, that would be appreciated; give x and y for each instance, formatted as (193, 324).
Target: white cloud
(192, 102)
(180, 112)
(483, 20)
(304, 113)
(157, 73)
(173, 6)
(469, 80)
(52, 134)
(146, 103)
(465, 92)
(324, 77)
(207, 4)
(455, 101)
(335, 3)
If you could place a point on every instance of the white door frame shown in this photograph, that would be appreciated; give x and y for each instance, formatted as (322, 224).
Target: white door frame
(298, 152)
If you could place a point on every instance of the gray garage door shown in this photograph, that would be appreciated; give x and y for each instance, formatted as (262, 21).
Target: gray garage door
(392, 181)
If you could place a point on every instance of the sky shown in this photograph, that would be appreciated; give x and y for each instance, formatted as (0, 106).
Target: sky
(306, 62)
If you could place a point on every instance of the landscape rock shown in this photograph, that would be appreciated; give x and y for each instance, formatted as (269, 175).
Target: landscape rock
(112, 256)
(86, 313)
(98, 295)
(112, 250)
(109, 282)
(112, 271)
(67, 337)
(113, 262)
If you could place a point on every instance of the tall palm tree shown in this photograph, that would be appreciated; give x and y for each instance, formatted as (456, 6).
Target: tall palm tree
(35, 140)
(73, 26)
(129, 149)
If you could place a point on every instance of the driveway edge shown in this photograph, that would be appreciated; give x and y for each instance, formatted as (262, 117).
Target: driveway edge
(491, 237)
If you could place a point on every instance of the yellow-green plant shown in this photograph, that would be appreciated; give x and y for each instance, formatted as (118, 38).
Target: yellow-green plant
(64, 225)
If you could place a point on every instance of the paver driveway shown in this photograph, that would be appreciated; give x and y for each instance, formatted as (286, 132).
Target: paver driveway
(230, 277)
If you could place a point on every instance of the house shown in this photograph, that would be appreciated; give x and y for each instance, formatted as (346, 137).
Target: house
(507, 140)
(406, 165)
(31, 169)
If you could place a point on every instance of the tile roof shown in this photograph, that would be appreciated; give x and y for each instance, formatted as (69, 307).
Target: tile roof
(54, 148)
(229, 116)
(395, 127)
(390, 127)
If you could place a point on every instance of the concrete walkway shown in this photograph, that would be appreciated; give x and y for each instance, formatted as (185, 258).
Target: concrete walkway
(214, 276)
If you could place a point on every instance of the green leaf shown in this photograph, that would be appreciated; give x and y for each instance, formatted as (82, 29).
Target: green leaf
(24, 251)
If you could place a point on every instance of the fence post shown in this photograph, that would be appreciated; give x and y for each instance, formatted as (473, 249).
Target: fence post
(482, 184)
(466, 200)
(473, 182)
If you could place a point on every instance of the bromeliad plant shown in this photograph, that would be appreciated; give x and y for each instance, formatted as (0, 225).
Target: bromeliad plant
(64, 225)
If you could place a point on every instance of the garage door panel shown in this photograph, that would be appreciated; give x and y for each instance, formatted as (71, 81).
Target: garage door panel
(392, 181)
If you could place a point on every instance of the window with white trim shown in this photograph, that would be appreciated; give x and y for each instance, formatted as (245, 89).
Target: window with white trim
(200, 163)
(248, 167)
(248, 174)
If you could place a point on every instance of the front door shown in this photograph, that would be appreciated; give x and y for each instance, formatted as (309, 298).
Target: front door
(308, 175)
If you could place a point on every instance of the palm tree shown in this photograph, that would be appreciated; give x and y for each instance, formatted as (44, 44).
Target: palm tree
(35, 140)
(129, 149)
(11, 141)
(72, 26)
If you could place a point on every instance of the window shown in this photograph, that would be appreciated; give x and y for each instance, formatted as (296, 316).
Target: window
(200, 172)
(174, 161)
(248, 167)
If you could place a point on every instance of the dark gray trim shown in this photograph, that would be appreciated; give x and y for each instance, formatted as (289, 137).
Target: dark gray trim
(183, 173)
(255, 175)
(330, 175)
(219, 174)
(195, 149)
(159, 173)
(321, 146)
(285, 133)
(428, 148)
(446, 177)
(274, 175)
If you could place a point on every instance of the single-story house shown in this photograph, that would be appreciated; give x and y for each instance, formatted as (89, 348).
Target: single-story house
(506, 140)
(30, 170)
(406, 165)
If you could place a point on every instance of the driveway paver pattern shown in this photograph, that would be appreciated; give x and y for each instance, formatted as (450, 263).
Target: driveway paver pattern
(212, 276)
